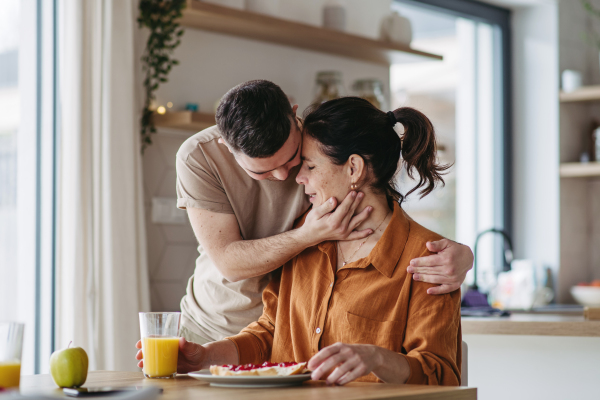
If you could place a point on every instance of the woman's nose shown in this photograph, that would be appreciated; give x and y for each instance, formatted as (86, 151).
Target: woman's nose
(300, 178)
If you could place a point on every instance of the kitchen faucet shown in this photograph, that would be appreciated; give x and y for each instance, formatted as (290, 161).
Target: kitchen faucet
(473, 297)
(508, 252)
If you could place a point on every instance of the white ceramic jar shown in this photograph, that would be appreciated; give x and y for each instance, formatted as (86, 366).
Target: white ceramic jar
(334, 15)
(269, 7)
(396, 28)
(571, 80)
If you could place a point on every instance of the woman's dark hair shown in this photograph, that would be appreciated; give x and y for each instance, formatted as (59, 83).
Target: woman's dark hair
(352, 125)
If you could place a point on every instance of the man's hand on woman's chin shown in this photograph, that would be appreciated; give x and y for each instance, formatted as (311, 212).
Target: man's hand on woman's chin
(190, 356)
(330, 221)
(447, 268)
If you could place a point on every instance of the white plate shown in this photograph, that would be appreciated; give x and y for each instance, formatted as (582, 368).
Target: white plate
(249, 381)
(586, 295)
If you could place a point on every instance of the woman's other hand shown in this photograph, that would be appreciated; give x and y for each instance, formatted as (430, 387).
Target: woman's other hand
(190, 358)
(344, 362)
(447, 268)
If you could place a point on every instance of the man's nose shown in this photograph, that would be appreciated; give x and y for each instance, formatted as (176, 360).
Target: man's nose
(281, 174)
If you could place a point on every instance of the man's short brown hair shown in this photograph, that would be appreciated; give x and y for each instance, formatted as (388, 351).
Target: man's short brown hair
(255, 118)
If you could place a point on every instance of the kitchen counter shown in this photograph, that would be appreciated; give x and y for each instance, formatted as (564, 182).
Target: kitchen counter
(531, 324)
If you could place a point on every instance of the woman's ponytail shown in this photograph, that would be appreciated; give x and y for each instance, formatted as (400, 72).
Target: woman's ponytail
(419, 149)
(352, 125)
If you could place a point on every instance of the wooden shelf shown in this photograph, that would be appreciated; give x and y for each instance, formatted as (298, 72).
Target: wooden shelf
(585, 93)
(188, 120)
(580, 170)
(249, 25)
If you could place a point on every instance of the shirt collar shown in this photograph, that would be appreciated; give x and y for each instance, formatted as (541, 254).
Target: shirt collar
(386, 254)
(388, 250)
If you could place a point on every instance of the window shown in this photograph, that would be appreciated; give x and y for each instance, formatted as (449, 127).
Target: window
(26, 174)
(9, 126)
(464, 95)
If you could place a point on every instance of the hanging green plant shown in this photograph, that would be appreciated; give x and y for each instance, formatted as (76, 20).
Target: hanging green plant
(161, 17)
(592, 36)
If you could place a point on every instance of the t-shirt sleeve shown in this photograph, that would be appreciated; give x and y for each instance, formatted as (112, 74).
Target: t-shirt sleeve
(197, 185)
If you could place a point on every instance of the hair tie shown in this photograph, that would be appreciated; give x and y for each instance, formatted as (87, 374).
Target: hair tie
(392, 118)
(393, 121)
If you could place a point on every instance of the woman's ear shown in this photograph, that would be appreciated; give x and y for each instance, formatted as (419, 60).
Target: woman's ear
(356, 168)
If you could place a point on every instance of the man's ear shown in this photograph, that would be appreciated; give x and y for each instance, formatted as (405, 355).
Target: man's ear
(225, 143)
(294, 109)
(356, 167)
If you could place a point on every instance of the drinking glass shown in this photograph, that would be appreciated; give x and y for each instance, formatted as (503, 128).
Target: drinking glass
(11, 347)
(160, 343)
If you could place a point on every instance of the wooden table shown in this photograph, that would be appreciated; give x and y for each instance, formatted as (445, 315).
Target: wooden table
(184, 387)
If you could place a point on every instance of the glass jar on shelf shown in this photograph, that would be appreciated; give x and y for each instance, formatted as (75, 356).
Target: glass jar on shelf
(328, 86)
(371, 90)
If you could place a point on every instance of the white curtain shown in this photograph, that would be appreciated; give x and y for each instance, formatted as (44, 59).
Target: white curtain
(102, 278)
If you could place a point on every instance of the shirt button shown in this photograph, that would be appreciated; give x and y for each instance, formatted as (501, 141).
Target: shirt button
(318, 330)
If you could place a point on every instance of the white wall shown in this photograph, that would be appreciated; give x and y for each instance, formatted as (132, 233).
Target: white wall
(536, 133)
(210, 65)
(213, 63)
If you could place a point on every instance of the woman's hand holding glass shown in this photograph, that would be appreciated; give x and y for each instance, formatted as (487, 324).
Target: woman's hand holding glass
(190, 358)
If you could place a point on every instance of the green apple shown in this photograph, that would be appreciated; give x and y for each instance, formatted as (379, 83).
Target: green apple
(69, 367)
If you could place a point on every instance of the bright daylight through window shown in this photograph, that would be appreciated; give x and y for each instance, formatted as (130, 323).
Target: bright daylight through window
(459, 95)
(9, 131)
(26, 173)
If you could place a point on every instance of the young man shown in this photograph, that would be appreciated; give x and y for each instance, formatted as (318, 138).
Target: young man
(237, 182)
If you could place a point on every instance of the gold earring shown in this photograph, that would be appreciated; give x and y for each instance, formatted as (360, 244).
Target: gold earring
(353, 186)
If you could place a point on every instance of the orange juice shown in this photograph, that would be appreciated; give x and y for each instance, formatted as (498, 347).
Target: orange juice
(160, 356)
(10, 374)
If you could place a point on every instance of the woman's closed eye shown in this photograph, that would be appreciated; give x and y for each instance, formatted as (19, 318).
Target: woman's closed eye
(308, 166)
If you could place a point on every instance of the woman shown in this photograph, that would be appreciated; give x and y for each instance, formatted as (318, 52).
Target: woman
(350, 308)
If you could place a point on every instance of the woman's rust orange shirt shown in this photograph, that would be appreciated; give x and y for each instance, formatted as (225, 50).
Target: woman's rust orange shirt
(309, 305)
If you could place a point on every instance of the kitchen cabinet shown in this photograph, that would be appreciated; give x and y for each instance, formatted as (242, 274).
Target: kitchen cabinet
(528, 356)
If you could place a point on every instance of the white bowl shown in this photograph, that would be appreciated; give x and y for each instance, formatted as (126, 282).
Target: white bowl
(586, 295)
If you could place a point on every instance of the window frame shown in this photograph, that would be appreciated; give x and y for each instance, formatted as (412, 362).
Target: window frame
(36, 181)
(501, 18)
(47, 183)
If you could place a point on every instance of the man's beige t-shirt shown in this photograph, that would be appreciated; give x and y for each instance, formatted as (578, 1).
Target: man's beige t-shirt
(208, 177)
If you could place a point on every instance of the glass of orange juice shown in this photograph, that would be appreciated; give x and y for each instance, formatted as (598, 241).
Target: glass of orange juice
(160, 343)
(11, 346)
